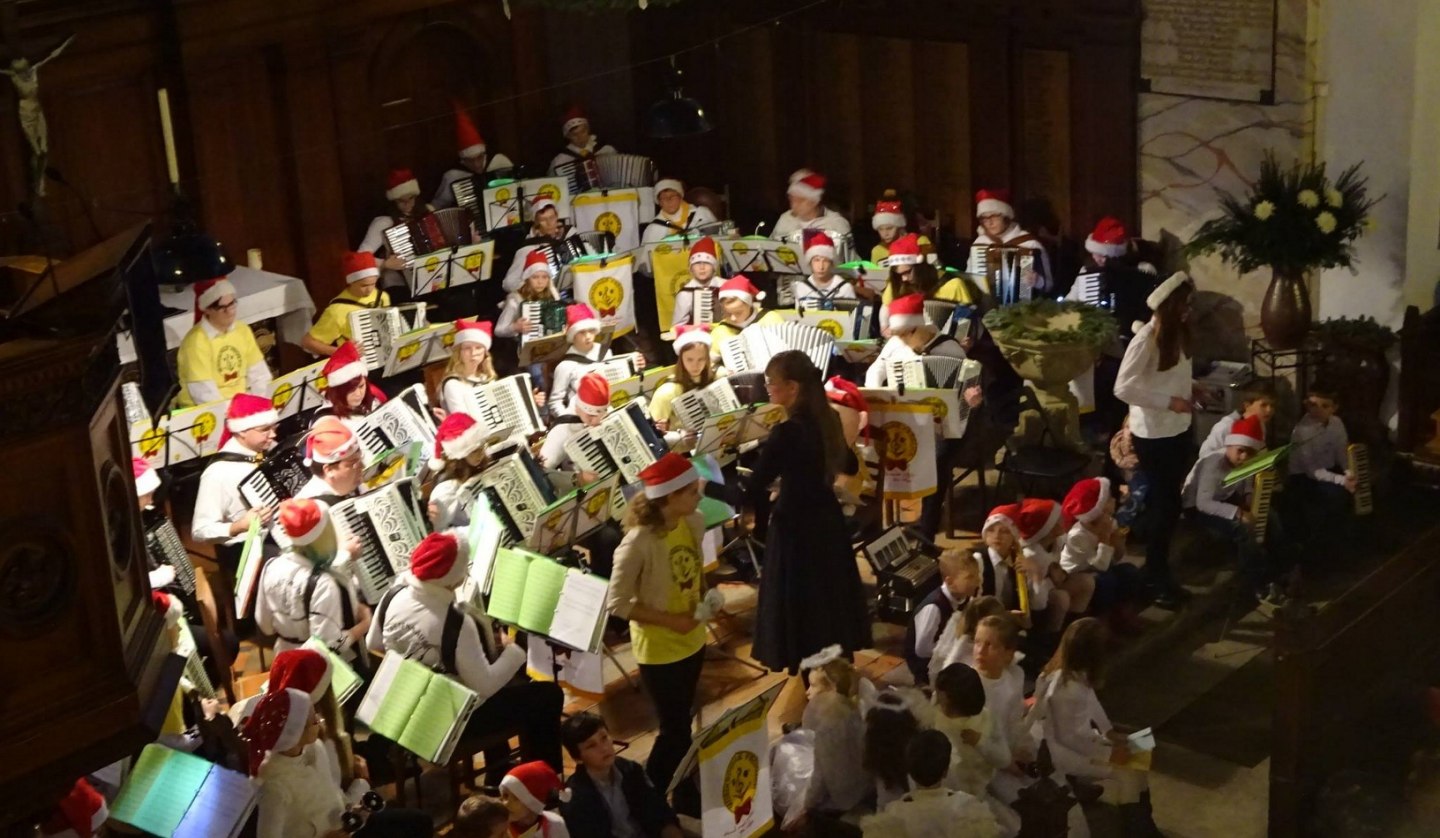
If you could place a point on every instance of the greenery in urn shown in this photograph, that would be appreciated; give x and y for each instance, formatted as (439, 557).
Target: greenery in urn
(1293, 220)
(1051, 321)
(1363, 333)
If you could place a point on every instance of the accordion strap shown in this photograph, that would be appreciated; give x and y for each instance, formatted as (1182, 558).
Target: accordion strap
(346, 301)
(230, 457)
(347, 609)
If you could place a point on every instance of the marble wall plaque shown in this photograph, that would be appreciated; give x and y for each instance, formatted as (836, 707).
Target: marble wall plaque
(1222, 49)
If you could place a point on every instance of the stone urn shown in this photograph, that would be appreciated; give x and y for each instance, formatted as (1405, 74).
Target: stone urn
(1047, 347)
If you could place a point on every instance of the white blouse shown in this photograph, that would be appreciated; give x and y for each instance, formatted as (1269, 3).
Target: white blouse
(1148, 390)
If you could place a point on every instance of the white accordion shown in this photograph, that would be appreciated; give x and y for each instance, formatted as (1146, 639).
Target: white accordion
(625, 170)
(518, 491)
(695, 406)
(624, 441)
(374, 329)
(752, 349)
(388, 524)
(506, 403)
(397, 423)
(617, 367)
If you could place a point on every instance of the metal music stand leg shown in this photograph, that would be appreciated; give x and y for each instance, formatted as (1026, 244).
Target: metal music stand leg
(610, 653)
(749, 542)
(716, 650)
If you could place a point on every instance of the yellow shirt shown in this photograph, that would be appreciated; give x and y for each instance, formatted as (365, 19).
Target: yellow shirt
(660, 403)
(882, 250)
(224, 359)
(655, 644)
(954, 290)
(332, 327)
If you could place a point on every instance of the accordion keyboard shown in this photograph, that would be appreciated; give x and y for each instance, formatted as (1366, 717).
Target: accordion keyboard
(165, 547)
(1358, 463)
(1264, 491)
(372, 569)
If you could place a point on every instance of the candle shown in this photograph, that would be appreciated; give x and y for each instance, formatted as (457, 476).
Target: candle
(169, 132)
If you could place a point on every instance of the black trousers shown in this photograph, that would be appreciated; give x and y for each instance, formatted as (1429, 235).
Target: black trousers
(398, 823)
(1165, 462)
(672, 690)
(534, 708)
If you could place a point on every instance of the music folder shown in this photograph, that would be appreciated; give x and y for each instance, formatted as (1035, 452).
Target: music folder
(574, 516)
(422, 711)
(179, 795)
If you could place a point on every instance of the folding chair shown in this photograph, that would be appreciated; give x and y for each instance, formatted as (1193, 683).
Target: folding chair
(1038, 467)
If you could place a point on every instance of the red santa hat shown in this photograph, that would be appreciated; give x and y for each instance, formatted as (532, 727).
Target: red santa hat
(1038, 518)
(458, 437)
(888, 212)
(798, 174)
(668, 475)
(80, 813)
(1086, 499)
(401, 184)
(820, 244)
(1006, 515)
(1108, 239)
(592, 394)
(540, 203)
(330, 441)
(904, 251)
(303, 520)
(907, 312)
(993, 202)
(574, 118)
(703, 250)
(467, 136)
(305, 670)
(532, 783)
(739, 287)
(247, 412)
(169, 607)
(278, 724)
(439, 558)
(359, 267)
(689, 335)
(670, 183)
(810, 186)
(844, 393)
(535, 263)
(1168, 287)
(1248, 432)
(474, 331)
(580, 317)
(208, 292)
(146, 479)
(344, 366)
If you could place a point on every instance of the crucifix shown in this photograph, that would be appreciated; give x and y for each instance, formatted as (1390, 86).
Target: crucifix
(25, 75)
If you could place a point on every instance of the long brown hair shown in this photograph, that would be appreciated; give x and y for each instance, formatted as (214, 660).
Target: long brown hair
(681, 377)
(644, 512)
(812, 405)
(1172, 331)
(1081, 653)
(923, 278)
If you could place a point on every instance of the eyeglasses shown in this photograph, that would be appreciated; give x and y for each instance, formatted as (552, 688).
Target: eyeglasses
(230, 306)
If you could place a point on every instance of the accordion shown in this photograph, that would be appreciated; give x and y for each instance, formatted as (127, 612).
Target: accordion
(624, 441)
(469, 192)
(430, 232)
(906, 571)
(1090, 288)
(547, 317)
(695, 406)
(625, 170)
(933, 372)
(1261, 495)
(278, 477)
(518, 491)
(506, 403)
(752, 349)
(1002, 268)
(397, 423)
(581, 174)
(702, 312)
(1357, 462)
(163, 546)
(375, 329)
(388, 525)
(617, 367)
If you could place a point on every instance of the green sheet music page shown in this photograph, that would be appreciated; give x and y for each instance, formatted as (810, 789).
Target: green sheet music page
(1255, 465)
(542, 593)
(716, 512)
(507, 585)
(343, 678)
(399, 703)
(160, 789)
(435, 716)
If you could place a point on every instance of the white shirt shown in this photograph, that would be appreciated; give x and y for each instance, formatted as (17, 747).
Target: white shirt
(375, 234)
(685, 298)
(690, 217)
(280, 607)
(811, 293)
(1084, 551)
(933, 813)
(455, 394)
(449, 509)
(217, 500)
(1320, 451)
(1068, 716)
(1215, 442)
(552, 451)
(1005, 698)
(318, 488)
(414, 625)
(300, 796)
(927, 620)
(895, 349)
(573, 152)
(567, 379)
(830, 220)
(1142, 385)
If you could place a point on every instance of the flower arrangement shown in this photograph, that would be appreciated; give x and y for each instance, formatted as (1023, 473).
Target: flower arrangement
(1052, 322)
(1293, 220)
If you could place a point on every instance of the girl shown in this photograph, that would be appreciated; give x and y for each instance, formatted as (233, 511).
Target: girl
(658, 585)
(1083, 743)
(309, 671)
(692, 372)
(1154, 379)
(831, 735)
(402, 190)
(923, 278)
(469, 364)
(810, 593)
(889, 726)
(537, 286)
(349, 395)
(460, 446)
(889, 223)
(738, 298)
(997, 638)
(957, 640)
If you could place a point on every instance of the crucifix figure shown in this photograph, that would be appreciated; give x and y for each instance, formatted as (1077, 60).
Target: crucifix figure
(26, 78)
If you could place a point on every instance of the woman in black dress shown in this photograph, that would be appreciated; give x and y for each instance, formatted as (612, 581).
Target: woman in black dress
(810, 592)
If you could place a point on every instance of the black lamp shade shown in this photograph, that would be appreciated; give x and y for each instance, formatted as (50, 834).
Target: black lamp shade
(190, 256)
(679, 116)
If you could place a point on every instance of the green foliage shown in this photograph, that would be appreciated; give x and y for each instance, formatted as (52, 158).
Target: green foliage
(1360, 332)
(1294, 220)
(1030, 321)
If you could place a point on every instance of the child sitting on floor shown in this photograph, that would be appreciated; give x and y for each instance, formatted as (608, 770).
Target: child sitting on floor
(957, 639)
(890, 724)
(959, 582)
(1003, 558)
(931, 810)
(481, 817)
(1256, 399)
(1134, 485)
(816, 768)
(1319, 489)
(1098, 581)
(527, 791)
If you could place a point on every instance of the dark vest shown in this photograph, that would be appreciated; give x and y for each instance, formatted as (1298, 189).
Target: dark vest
(920, 666)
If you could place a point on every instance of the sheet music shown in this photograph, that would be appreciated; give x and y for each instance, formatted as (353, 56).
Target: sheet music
(580, 611)
(484, 538)
(161, 789)
(222, 806)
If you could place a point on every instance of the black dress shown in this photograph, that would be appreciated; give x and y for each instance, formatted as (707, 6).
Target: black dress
(810, 591)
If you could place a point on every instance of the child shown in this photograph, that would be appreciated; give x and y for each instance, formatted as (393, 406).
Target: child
(890, 724)
(1082, 741)
(692, 372)
(1319, 487)
(822, 287)
(460, 455)
(889, 224)
(738, 298)
(830, 743)
(961, 715)
(303, 591)
(1135, 485)
(1257, 399)
(470, 364)
(581, 329)
(959, 582)
(1096, 579)
(997, 638)
(704, 264)
(349, 395)
(527, 790)
(957, 639)
(332, 327)
(931, 811)
(601, 777)
(1039, 525)
(538, 286)
(481, 817)
(1225, 510)
(590, 405)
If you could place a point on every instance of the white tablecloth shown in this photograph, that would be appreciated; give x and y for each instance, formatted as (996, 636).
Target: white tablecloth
(262, 296)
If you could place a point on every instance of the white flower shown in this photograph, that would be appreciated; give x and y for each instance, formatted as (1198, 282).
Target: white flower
(1334, 198)
(1308, 198)
(1326, 222)
(1264, 210)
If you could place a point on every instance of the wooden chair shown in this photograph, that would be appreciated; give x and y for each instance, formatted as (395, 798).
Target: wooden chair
(1036, 466)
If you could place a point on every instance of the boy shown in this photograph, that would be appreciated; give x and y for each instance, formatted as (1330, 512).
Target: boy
(302, 596)
(526, 791)
(997, 564)
(582, 327)
(1096, 578)
(1039, 526)
(332, 327)
(337, 465)
(822, 288)
(1257, 399)
(610, 795)
(704, 276)
(960, 580)
(481, 817)
(931, 811)
(1225, 510)
(1319, 487)
(219, 357)
(739, 309)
